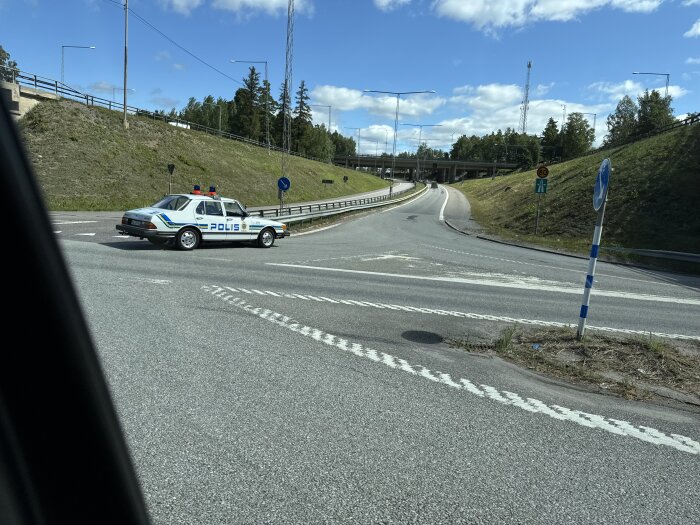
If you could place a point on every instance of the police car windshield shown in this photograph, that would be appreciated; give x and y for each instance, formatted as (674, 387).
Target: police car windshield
(172, 202)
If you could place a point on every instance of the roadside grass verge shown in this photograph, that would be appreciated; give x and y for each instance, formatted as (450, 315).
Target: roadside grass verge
(85, 160)
(652, 202)
(632, 367)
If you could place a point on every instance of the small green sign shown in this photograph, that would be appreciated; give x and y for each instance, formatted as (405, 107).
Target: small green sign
(540, 185)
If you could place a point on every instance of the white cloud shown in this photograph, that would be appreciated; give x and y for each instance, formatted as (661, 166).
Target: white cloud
(487, 96)
(388, 5)
(179, 67)
(615, 92)
(182, 6)
(271, 7)
(542, 89)
(691, 60)
(693, 31)
(346, 99)
(691, 2)
(162, 56)
(494, 14)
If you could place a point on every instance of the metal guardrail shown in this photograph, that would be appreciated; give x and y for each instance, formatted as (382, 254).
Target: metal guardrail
(58, 88)
(328, 209)
(340, 206)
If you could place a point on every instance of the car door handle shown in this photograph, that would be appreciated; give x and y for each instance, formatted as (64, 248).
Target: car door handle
(229, 219)
(199, 218)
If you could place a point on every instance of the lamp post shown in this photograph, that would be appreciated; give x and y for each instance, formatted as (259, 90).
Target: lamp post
(126, 56)
(267, 97)
(216, 106)
(420, 134)
(63, 57)
(667, 75)
(396, 118)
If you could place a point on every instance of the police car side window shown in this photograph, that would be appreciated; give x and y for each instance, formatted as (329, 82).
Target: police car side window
(213, 208)
(233, 209)
(200, 208)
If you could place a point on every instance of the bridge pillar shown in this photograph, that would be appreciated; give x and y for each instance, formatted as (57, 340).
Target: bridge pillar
(453, 173)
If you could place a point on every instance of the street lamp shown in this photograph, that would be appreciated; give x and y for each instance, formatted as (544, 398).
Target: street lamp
(267, 97)
(63, 57)
(420, 134)
(216, 106)
(396, 118)
(667, 75)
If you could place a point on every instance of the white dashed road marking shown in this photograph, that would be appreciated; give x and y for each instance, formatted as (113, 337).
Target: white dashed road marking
(86, 234)
(535, 406)
(454, 313)
(59, 223)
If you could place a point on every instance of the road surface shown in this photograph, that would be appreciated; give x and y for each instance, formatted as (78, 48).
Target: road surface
(310, 382)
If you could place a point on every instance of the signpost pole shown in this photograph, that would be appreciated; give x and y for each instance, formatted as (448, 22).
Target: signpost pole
(537, 220)
(600, 198)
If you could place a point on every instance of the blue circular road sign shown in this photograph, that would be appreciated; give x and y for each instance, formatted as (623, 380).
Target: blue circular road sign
(284, 183)
(600, 191)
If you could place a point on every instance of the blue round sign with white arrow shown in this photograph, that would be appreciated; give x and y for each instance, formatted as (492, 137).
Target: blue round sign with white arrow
(284, 183)
(600, 191)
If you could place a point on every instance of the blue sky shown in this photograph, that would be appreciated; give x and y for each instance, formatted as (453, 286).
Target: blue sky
(472, 53)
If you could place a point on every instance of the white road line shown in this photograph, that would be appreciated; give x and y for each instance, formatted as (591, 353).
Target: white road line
(60, 223)
(421, 194)
(121, 236)
(59, 231)
(86, 234)
(442, 210)
(542, 265)
(472, 315)
(614, 426)
(507, 282)
(315, 231)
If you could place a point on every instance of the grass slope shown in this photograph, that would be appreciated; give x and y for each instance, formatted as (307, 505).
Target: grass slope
(86, 161)
(653, 199)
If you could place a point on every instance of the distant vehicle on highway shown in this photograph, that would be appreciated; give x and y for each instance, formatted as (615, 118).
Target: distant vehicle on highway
(434, 184)
(187, 220)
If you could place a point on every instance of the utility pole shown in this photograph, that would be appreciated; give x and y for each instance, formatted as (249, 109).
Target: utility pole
(526, 100)
(126, 55)
(289, 55)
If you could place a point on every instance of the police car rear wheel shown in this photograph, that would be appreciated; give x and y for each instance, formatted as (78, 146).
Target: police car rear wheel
(187, 239)
(266, 238)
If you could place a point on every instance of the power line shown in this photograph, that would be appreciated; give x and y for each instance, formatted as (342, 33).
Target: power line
(147, 23)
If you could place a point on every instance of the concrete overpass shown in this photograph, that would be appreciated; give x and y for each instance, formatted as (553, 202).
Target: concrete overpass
(443, 169)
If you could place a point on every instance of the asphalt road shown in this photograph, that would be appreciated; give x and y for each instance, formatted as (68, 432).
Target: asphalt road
(309, 382)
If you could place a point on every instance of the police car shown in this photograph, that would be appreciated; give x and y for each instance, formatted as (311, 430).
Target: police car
(189, 219)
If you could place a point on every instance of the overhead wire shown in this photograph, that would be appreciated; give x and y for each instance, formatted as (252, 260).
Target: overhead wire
(182, 48)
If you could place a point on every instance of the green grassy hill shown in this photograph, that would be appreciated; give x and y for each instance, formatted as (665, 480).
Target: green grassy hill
(84, 160)
(653, 200)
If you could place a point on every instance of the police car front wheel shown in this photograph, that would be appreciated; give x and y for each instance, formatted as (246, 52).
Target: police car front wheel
(187, 239)
(266, 238)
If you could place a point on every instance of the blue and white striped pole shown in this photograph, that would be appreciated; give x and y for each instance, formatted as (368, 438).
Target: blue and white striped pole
(600, 197)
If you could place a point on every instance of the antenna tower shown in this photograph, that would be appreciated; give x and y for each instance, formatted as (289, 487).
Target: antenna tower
(287, 90)
(526, 100)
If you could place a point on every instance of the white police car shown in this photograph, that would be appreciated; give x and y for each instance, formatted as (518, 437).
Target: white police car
(189, 219)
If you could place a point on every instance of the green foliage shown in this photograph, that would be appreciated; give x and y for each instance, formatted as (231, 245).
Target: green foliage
(344, 146)
(315, 142)
(653, 200)
(654, 113)
(7, 66)
(506, 147)
(622, 124)
(550, 143)
(578, 136)
(84, 159)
